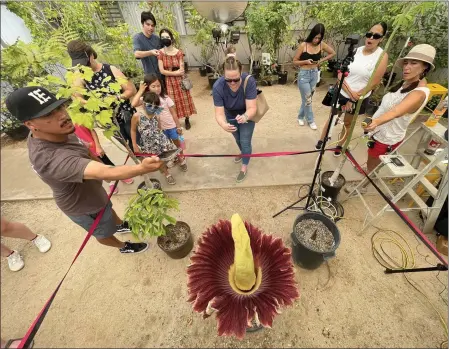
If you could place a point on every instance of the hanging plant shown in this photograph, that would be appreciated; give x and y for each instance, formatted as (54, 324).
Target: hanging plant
(242, 274)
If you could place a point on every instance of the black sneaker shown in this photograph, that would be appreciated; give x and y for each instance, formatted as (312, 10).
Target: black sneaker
(188, 126)
(123, 228)
(134, 247)
(319, 145)
(337, 152)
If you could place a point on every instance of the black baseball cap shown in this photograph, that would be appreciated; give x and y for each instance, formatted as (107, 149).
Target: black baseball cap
(79, 57)
(32, 102)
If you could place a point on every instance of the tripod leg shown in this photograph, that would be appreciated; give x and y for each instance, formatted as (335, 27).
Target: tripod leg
(289, 207)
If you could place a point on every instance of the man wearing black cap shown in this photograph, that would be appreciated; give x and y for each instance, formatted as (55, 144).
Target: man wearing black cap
(63, 162)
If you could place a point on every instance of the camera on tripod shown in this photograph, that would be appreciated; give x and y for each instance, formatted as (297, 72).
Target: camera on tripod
(352, 39)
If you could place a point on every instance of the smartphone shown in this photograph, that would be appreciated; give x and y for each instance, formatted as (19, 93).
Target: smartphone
(175, 69)
(397, 162)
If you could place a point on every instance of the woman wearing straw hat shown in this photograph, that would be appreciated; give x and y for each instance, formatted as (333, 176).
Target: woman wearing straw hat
(401, 104)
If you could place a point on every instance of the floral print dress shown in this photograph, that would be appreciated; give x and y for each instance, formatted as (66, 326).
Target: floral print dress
(153, 140)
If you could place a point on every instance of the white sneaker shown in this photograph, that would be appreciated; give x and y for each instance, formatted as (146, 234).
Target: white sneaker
(313, 126)
(42, 243)
(15, 261)
(301, 122)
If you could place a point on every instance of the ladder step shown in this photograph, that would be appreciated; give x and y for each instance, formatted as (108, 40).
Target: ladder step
(429, 187)
(421, 204)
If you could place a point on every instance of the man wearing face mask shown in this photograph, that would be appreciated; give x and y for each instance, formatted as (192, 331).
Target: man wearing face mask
(85, 55)
(147, 44)
(64, 163)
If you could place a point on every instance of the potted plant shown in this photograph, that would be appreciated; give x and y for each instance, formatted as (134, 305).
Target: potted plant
(12, 126)
(147, 216)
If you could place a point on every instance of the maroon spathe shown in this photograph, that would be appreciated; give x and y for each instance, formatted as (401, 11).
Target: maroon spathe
(208, 279)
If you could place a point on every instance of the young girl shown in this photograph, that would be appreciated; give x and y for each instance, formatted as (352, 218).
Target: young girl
(152, 138)
(168, 118)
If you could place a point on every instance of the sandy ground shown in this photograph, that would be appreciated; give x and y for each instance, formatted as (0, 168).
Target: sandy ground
(110, 300)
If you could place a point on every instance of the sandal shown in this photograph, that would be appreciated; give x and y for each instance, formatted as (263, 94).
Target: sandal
(170, 179)
(11, 341)
(183, 165)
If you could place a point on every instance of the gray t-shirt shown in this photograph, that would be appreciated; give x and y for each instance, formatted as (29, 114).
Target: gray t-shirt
(142, 43)
(61, 166)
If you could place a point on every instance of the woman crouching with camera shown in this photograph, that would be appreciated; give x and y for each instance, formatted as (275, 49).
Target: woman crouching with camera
(400, 105)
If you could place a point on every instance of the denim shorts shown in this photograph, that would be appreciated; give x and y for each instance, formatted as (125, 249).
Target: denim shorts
(171, 133)
(105, 228)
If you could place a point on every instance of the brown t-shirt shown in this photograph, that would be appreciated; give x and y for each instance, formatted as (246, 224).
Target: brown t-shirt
(61, 166)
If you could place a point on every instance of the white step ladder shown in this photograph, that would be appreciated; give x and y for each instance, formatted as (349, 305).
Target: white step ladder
(413, 173)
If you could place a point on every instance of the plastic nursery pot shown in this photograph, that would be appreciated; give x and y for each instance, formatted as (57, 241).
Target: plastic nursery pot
(212, 81)
(303, 255)
(176, 249)
(18, 134)
(203, 71)
(155, 182)
(256, 72)
(186, 67)
(328, 190)
(208, 69)
(282, 80)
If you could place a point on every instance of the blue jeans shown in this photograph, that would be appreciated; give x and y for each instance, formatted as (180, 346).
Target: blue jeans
(243, 137)
(307, 80)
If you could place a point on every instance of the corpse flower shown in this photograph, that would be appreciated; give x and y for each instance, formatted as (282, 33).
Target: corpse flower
(242, 274)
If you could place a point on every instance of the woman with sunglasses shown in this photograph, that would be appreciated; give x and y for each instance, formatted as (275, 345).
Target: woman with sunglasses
(400, 105)
(355, 84)
(308, 58)
(235, 107)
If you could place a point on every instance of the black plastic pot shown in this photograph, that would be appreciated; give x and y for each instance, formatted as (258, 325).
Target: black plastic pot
(209, 69)
(182, 250)
(155, 182)
(304, 256)
(256, 72)
(282, 78)
(212, 81)
(329, 191)
(203, 71)
(18, 134)
(186, 67)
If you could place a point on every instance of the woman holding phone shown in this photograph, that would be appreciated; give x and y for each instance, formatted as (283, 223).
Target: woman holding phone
(308, 57)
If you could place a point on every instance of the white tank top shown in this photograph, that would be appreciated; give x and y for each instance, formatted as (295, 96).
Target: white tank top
(360, 70)
(394, 130)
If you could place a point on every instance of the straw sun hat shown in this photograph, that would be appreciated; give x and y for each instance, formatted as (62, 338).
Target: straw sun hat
(423, 52)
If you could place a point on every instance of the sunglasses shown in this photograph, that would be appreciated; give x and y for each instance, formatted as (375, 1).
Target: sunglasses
(232, 80)
(375, 36)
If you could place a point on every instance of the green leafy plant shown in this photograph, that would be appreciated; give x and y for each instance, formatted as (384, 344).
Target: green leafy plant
(203, 35)
(147, 213)
(8, 122)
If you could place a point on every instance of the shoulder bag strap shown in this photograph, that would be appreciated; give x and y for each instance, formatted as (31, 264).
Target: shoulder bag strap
(245, 83)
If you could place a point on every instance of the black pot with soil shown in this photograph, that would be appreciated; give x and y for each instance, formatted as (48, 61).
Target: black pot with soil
(328, 190)
(155, 182)
(315, 238)
(203, 71)
(212, 80)
(178, 242)
(282, 80)
(186, 67)
(209, 69)
(256, 72)
(18, 134)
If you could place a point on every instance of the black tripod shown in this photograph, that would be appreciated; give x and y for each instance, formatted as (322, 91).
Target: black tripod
(345, 71)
